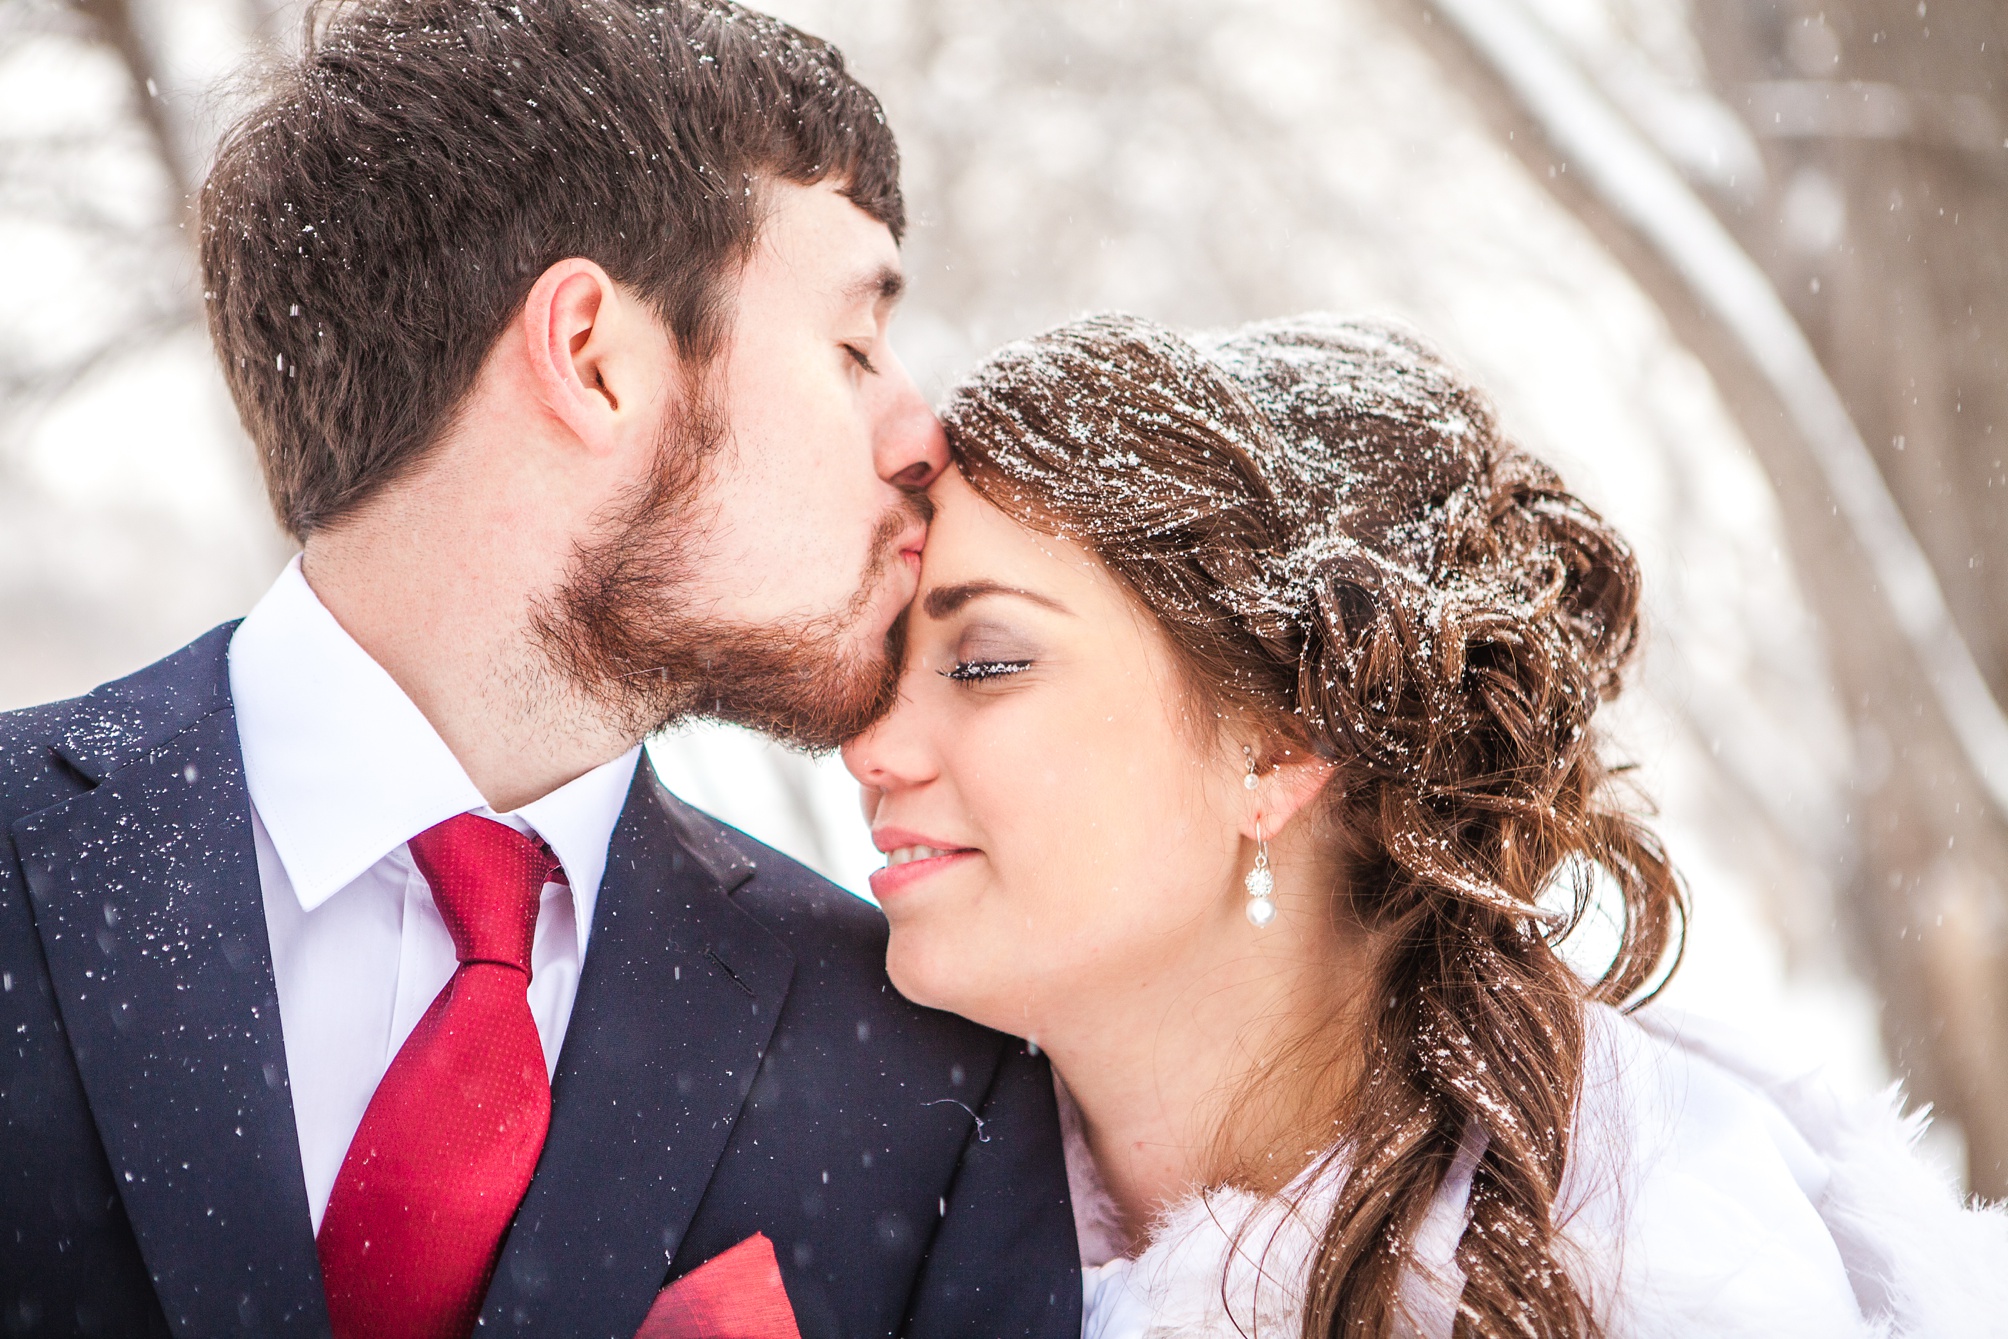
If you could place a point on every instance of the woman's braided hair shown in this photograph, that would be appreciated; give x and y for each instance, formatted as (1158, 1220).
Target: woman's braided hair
(1344, 551)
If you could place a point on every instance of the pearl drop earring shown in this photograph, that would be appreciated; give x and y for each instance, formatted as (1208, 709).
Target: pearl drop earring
(1260, 883)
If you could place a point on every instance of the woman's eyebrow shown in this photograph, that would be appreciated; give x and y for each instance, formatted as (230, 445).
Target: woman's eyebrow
(945, 600)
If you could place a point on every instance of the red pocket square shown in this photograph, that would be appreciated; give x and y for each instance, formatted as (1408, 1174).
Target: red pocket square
(737, 1295)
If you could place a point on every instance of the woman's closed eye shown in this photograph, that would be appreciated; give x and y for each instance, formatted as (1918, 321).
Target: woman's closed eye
(979, 671)
(990, 651)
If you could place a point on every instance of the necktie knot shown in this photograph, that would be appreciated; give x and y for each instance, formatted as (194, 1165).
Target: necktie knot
(487, 880)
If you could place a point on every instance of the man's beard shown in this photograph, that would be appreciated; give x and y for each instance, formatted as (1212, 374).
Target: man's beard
(620, 631)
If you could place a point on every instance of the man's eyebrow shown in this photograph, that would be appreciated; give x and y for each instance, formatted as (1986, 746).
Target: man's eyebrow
(885, 284)
(945, 600)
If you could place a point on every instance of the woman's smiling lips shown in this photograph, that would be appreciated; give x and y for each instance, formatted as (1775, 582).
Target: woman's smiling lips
(910, 857)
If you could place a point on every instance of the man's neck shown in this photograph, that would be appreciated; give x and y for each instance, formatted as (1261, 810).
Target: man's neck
(452, 629)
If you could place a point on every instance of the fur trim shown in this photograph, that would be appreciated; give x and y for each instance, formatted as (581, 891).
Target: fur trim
(1233, 1265)
(1225, 1264)
(1923, 1265)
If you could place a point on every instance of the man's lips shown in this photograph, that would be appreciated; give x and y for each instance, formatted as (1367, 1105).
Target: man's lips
(897, 555)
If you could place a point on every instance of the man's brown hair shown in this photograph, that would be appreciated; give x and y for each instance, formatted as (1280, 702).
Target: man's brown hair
(372, 226)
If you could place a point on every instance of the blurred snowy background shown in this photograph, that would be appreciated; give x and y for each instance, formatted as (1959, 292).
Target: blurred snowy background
(1526, 181)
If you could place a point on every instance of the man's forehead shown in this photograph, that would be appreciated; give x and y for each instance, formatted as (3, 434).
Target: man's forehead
(819, 225)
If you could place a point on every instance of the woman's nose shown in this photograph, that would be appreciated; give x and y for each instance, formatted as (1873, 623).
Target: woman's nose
(890, 756)
(861, 758)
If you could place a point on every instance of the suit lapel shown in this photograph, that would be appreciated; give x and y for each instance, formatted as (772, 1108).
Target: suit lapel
(147, 901)
(679, 996)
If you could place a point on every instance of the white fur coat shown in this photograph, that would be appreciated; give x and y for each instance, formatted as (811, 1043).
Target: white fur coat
(1706, 1195)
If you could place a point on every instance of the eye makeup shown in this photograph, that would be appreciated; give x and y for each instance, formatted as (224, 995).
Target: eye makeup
(986, 651)
(977, 671)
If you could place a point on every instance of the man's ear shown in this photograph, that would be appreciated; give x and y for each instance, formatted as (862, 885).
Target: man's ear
(597, 356)
(1286, 781)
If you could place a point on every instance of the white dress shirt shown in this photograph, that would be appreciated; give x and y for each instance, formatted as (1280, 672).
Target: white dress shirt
(342, 771)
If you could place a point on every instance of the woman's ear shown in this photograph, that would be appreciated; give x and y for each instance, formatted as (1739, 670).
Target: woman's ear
(1286, 781)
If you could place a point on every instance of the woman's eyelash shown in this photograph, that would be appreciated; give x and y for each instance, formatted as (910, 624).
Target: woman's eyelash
(859, 357)
(975, 671)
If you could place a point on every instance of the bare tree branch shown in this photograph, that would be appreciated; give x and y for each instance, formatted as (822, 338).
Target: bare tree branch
(117, 30)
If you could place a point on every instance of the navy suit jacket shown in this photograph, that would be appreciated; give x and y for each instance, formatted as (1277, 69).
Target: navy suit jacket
(736, 1062)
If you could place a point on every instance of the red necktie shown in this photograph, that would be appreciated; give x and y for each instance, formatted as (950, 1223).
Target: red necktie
(452, 1133)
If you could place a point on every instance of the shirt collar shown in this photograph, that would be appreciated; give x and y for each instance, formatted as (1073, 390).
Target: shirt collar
(343, 768)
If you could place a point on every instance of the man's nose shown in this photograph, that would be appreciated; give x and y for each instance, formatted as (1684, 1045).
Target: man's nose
(909, 447)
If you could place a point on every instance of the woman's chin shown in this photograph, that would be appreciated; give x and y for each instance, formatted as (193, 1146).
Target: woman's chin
(916, 978)
(938, 981)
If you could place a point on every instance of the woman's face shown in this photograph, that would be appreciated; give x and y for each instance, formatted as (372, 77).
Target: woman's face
(1058, 830)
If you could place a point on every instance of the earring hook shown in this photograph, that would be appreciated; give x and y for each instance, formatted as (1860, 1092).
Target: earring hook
(1260, 882)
